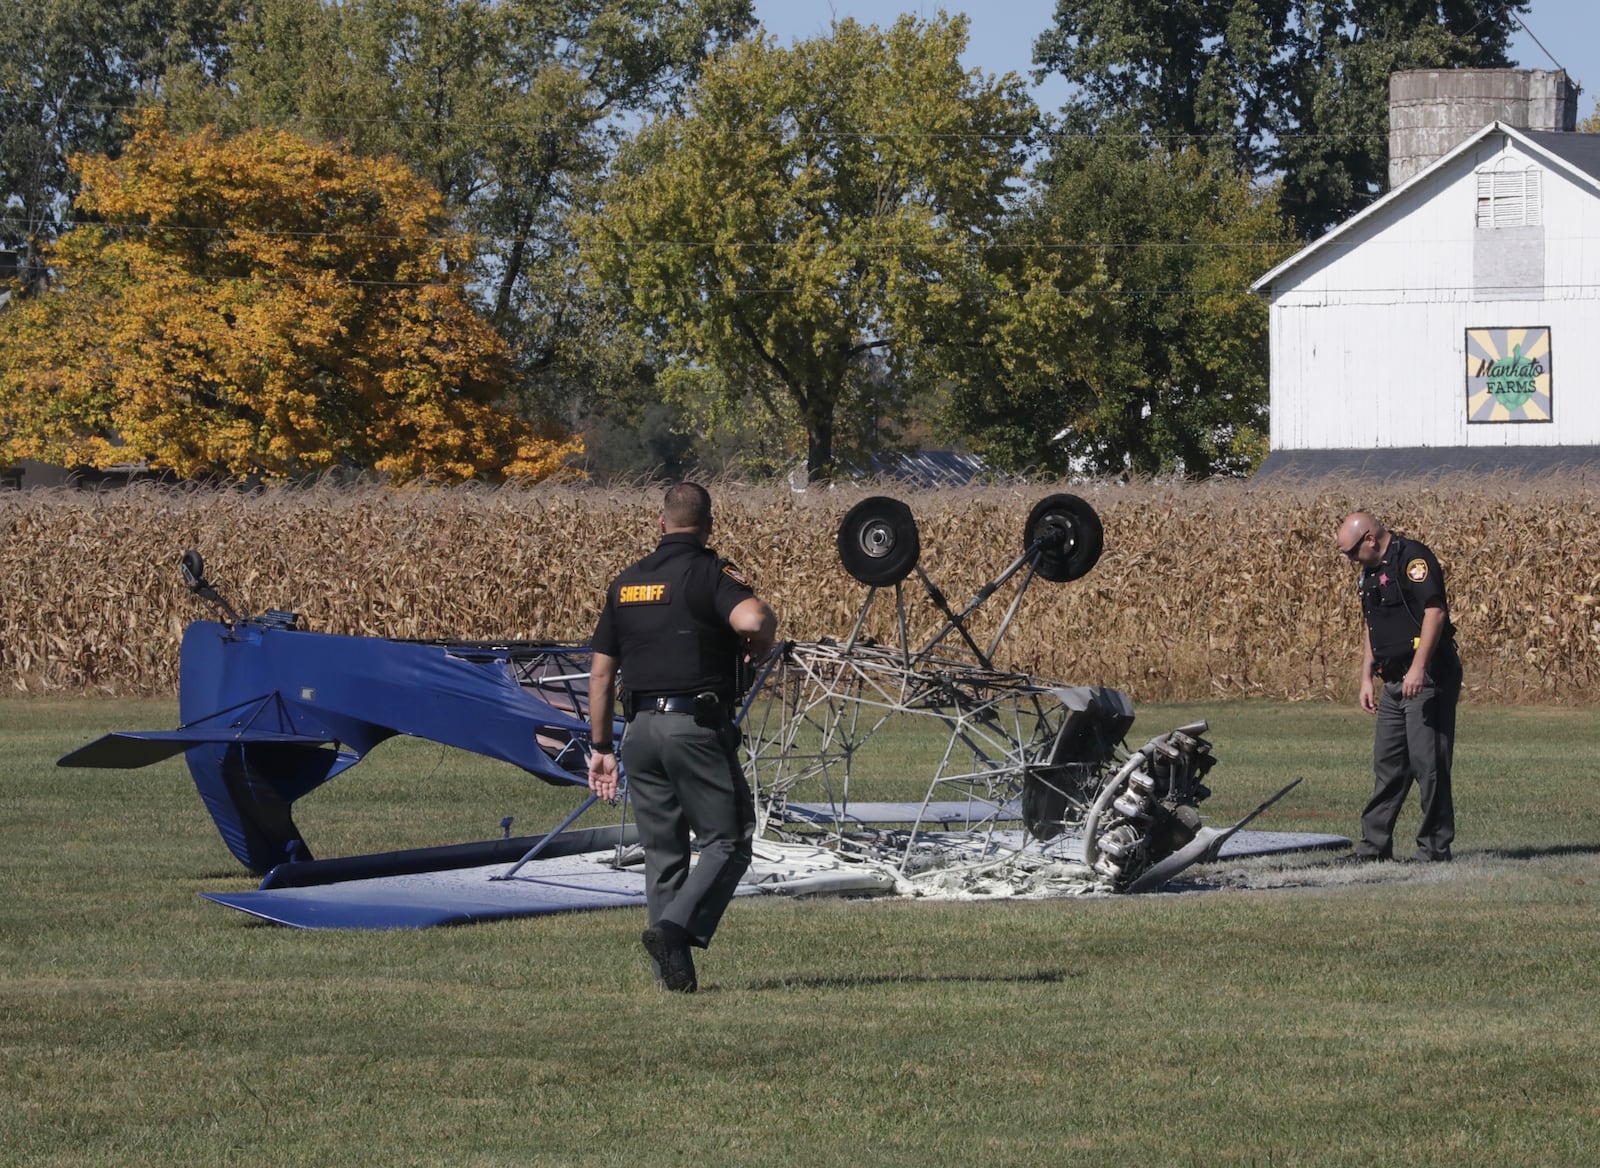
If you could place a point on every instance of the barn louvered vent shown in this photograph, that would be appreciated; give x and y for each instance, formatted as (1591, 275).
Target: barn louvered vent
(1510, 198)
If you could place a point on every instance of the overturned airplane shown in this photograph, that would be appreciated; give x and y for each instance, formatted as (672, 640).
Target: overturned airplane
(1034, 791)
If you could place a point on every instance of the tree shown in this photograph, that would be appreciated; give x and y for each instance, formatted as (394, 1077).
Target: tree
(1297, 88)
(812, 230)
(1170, 369)
(509, 108)
(260, 305)
(69, 70)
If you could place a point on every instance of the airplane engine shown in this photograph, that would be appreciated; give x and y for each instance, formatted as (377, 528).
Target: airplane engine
(1148, 810)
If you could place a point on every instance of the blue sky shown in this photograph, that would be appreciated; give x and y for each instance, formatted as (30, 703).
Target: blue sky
(1003, 31)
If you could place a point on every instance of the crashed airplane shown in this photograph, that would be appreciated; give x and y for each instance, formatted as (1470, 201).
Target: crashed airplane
(1034, 791)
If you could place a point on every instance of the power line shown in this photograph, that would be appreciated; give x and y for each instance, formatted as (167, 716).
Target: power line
(719, 244)
(723, 245)
(568, 126)
(931, 290)
(1518, 18)
(180, 278)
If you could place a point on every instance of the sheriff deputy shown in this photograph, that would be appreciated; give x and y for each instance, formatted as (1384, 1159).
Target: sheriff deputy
(1411, 679)
(676, 626)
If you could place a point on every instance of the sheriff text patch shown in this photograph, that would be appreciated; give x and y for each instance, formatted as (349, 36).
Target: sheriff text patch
(642, 594)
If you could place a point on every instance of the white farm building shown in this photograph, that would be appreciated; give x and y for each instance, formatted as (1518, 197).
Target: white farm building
(1454, 323)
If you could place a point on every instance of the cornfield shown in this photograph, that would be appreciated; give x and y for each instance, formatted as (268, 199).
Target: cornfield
(1218, 589)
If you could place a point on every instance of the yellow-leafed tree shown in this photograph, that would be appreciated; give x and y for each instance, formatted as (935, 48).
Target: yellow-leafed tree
(260, 305)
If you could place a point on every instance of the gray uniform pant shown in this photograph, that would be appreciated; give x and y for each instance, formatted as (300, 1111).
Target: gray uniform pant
(1415, 741)
(681, 776)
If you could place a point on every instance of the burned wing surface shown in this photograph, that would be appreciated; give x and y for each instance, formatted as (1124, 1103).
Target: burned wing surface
(271, 711)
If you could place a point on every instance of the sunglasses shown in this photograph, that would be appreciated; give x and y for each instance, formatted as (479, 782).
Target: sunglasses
(1350, 552)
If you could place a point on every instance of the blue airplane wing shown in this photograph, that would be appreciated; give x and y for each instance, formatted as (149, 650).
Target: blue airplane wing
(453, 897)
(137, 748)
(271, 711)
(453, 885)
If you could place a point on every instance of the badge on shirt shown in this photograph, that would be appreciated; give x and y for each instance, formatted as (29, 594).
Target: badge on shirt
(642, 594)
(734, 574)
(1417, 571)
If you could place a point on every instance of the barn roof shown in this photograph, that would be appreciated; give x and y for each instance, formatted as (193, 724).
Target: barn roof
(1412, 462)
(1576, 155)
(1580, 151)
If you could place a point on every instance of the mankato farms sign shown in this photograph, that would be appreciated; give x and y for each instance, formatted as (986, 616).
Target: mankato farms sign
(1508, 375)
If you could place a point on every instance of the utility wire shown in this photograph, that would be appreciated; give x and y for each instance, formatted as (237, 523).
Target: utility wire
(1518, 18)
(781, 132)
(657, 244)
(925, 290)
(721, 245)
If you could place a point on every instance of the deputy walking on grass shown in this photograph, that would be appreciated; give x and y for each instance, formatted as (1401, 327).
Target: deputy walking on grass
(676, 625)
(1411, 679)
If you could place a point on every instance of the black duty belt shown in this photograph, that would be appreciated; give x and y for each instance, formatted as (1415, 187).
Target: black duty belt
(669, 704)
(1394, 668)
(702, 704)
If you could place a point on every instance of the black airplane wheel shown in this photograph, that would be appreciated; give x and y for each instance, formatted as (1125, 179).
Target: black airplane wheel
(1072, 537)
(878, 542)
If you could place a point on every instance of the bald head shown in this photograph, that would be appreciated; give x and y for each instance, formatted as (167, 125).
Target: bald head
(1362, 538)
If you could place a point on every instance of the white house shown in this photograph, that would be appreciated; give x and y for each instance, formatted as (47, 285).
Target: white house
(1453, 324)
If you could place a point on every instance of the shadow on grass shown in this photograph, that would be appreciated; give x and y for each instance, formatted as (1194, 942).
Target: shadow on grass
(1043, 977)
(1537, 853)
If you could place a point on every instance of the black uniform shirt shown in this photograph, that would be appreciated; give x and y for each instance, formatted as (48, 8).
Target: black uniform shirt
(1393, 595)
(666, 620)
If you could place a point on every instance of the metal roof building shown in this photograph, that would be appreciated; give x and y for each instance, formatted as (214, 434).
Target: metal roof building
(1452, 325)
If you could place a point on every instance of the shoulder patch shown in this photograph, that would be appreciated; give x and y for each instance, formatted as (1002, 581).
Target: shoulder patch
(734, 574)
(1417, 570)
(643, 594)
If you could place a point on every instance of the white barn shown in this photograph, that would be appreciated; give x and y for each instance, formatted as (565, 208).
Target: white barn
(1453, 324)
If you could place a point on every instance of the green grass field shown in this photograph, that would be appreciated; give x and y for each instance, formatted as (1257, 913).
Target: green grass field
(1293, 1014)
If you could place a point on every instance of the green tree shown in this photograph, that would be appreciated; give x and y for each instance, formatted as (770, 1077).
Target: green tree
(812, 232)
(260, 305)
(1170, 368)
(69, 71)
(1297, 88)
